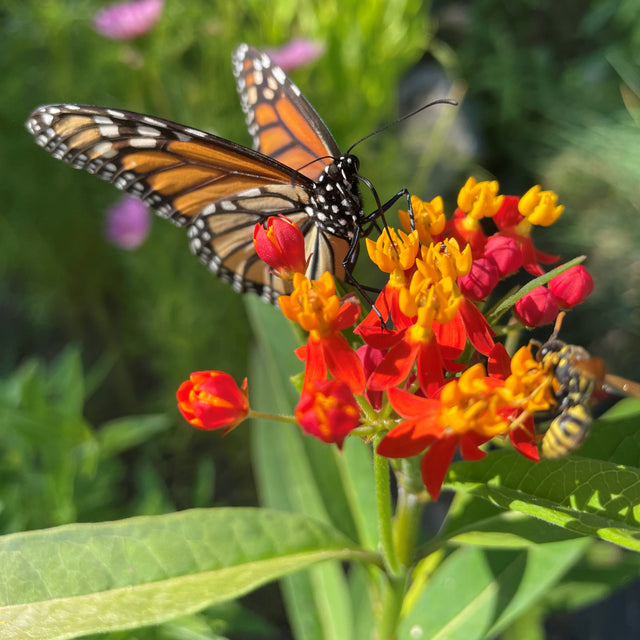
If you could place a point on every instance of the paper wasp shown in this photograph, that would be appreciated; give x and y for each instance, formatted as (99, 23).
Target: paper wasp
(577, 376)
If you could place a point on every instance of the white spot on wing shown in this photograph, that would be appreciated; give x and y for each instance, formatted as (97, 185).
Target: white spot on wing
(148, 131)
(105, 149)
(142, 143)
(279, 75)
(108, 131)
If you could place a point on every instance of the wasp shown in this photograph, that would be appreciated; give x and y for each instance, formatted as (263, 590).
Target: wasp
(577, 376)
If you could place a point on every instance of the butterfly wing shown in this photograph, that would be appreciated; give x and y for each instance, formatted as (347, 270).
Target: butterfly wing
(283, 124)
(189, 176)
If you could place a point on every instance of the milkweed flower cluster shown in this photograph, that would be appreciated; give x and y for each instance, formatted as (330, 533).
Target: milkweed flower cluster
(428, 377)
(127, 223)
(127, 20)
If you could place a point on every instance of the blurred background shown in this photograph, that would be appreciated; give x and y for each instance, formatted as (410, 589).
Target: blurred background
(97, 337)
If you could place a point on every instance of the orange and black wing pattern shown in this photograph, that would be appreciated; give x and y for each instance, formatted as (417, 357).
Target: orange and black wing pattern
(184, 175)
(217, 189)
(281, 120)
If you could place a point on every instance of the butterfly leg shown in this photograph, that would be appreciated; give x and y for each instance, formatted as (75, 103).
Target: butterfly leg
(382, 208)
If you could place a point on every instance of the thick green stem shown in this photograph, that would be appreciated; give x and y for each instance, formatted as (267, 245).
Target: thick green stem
(406, 525)
(383, 508)
(387, 627)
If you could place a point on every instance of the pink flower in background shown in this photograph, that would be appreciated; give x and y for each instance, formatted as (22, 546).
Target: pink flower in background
(127, 20)
(127, 223)
(296, 53)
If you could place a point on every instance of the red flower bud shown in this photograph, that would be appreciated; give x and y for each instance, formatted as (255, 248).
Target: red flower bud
(328, 410)
(571, 287)
(505, 252)
(280, 243)
(212, 400)
(481, 280)
(537, 307)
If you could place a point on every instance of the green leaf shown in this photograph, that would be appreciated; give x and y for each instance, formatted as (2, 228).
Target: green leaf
(589, 497)
(122, 434)
(296, 472)
(615, 436)
(602, 571)
(476, 593)
(89, 578)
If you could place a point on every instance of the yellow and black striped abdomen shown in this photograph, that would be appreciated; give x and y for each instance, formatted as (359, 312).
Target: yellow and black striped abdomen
(567, 431)
(574, 388)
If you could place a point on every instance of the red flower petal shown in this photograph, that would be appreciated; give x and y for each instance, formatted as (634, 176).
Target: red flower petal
(316, 367)
(395, 367)
(451, 337)
(408, 405)
(347, 316)
(572, 286)
(212, 400)
(430, 366)
(343, 362)
(404, 441)
(435, 464)
(478, 330)
(469, 443)
(499, 362)
(370, 359)
(524, 440)
(328, 411)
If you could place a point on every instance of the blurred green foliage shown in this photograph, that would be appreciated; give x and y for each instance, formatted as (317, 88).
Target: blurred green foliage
(543, 104)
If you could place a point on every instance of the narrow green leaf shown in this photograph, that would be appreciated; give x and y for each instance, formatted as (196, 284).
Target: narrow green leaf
(122, 434)
(508, 302)
(89, 578)
(476, 593)
(284, 460)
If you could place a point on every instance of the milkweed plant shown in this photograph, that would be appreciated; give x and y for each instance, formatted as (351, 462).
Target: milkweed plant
(434, 386)
(406, 496)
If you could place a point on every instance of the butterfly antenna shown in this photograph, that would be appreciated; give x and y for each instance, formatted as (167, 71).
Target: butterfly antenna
(304, 166)
(395, 122)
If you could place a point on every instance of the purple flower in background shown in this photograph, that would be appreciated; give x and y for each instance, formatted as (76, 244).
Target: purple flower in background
(127, 223)
(296, 53)
(127, 20)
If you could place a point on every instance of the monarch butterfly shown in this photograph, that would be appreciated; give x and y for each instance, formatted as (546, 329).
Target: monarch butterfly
(218, 189)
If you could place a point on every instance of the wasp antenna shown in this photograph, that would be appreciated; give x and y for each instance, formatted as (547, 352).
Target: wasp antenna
(395, 122)
(557, 326)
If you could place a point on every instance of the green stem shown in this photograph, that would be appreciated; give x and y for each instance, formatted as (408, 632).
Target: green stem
(383, 509)
(271, 416)
(406, 526)
(387, 627)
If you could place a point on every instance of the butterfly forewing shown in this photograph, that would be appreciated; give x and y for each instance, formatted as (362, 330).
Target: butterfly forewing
(176, 170)
(282, 122)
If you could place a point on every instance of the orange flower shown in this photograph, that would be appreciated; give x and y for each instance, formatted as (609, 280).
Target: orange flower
(315, 306)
